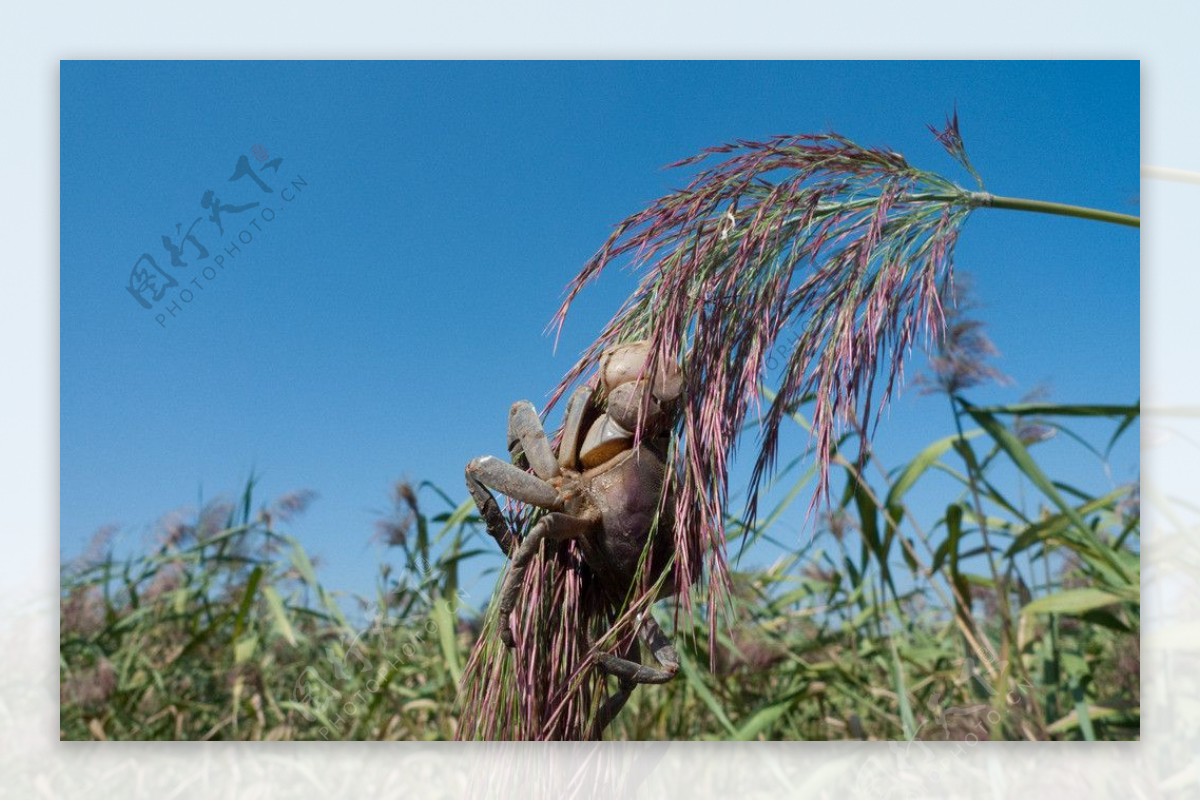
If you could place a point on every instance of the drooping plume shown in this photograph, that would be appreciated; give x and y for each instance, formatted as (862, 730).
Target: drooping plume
(826, 254)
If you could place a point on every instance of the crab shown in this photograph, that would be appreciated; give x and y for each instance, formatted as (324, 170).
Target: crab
(603, 489)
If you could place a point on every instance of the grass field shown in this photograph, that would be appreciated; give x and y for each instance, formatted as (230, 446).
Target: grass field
(1010, 615)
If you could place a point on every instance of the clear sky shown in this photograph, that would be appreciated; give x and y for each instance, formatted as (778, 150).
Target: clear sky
(422, 220)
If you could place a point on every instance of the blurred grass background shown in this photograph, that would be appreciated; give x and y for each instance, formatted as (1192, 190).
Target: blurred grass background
(1009, 615)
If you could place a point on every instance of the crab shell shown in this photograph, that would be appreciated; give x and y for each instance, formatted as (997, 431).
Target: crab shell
(627, 491)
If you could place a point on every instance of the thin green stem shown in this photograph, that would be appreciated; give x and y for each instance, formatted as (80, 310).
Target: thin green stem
(1010, 640)
(981, 515)
(987, 200)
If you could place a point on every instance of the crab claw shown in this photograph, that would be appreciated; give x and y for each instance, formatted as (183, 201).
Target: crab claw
(604, 440)
(621, 364)
(627, 404)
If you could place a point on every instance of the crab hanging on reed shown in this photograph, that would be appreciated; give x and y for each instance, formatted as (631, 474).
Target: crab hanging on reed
(603, 489)
(808, 263)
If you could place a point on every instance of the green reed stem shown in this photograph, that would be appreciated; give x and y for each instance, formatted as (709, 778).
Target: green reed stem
(986, 199)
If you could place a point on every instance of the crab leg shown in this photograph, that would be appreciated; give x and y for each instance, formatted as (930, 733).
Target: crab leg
(489, 510)
(664, 653)
(555, 526)
(513, 482)
(489, 472)
(525, 427)
(572, 430)
(630, 672)
(615, 703)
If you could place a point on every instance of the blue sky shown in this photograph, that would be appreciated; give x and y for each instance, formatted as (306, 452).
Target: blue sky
(381, 323)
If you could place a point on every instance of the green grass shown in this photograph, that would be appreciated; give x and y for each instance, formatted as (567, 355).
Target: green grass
(1010, 616)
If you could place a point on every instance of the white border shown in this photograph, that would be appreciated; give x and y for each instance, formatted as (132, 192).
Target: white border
(33, 40)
